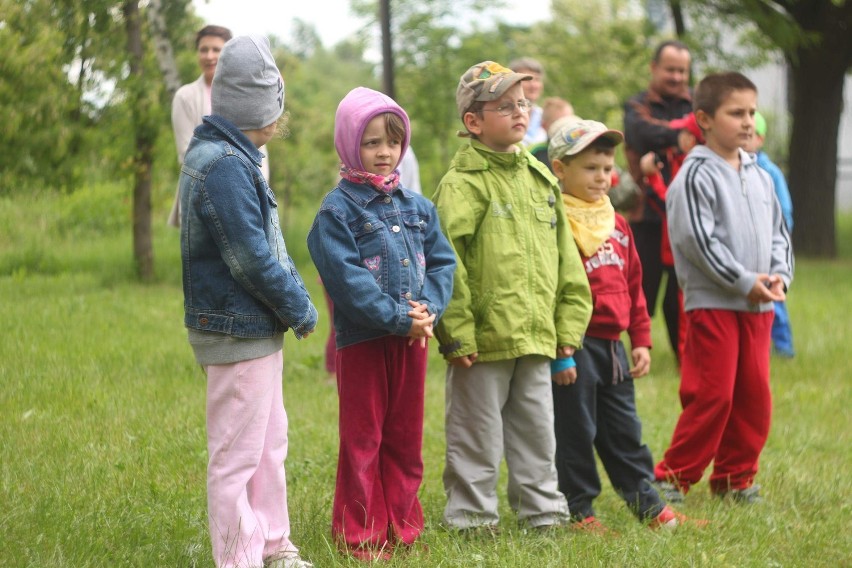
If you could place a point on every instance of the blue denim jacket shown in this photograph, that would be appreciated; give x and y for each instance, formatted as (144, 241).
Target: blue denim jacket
(237, 276)
(376, 251)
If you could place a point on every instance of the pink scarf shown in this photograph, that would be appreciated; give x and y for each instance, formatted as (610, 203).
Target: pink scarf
(378, 182)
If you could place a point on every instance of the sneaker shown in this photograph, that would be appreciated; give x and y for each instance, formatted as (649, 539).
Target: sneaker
(287, 560)
(671, 519)
(592, 526)
(479, 532)
(669, 491)
(747, 496)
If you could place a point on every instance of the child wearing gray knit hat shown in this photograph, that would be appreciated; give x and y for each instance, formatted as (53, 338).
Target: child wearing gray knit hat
(247, 87)
(242, 293)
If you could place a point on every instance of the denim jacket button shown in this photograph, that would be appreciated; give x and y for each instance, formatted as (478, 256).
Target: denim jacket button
(405, 262)
(551, 200)
(368, 226)
(203, 321)
(553, 222)
(395, 228)
(387, 199)
(408, 295)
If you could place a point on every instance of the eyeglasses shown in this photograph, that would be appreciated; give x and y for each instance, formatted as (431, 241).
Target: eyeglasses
(508, 109)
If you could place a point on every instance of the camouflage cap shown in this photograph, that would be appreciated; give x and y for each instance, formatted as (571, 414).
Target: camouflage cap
(486, 81)
(571, 135)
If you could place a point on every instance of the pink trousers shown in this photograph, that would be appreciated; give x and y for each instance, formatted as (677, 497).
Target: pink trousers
(247, 445)
(380, 464)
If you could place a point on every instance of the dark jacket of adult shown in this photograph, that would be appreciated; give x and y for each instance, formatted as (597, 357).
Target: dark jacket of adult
(646, 118)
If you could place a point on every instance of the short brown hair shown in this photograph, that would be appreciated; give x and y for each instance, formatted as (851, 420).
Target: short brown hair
(476, 108)
(217, 31)
(394, 126)
(715, 88)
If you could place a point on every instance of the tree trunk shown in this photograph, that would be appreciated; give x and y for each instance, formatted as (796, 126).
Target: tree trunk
(677, 16)
(163, 47)
(387, 49)
(817, 77)
(143, 250)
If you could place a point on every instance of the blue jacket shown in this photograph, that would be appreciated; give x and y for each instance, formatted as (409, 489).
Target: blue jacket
(376, 251)
(238, 279)
(782, 192)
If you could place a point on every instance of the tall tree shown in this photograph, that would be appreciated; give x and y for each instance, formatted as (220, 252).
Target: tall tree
(145, 136)
(815, 37)
(165, 54)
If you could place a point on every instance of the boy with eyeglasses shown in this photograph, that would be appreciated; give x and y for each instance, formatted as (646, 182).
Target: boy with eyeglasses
(520, 299)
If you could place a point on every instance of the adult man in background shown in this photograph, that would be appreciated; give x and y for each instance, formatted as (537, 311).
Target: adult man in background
(646, 118)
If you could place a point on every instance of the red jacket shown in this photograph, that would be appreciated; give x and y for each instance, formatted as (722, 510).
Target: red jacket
(655, 182)
(615, 277)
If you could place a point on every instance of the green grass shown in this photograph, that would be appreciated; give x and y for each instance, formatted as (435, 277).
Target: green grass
(102, 441)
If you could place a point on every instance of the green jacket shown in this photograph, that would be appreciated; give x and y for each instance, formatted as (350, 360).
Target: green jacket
(519, 287)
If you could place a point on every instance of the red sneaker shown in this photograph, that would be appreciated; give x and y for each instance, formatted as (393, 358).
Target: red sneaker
(670, 519)
(592, 526)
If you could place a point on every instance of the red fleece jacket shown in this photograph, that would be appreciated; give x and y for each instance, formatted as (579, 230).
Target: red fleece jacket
(615, 277)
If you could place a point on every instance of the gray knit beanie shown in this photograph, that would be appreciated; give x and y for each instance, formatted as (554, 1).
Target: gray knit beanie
(247, 87)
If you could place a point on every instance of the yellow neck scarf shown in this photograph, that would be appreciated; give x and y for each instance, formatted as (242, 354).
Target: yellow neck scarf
(591, 223)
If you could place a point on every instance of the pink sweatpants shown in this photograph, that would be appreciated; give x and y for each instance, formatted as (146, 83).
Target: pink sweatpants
(247, 445)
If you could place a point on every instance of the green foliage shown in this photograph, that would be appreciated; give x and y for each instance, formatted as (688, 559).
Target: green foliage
(304, 165)
(37, 102)
(64, 92)
(595, 55)
(103, 457)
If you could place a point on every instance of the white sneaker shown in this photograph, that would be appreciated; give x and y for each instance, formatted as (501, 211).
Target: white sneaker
(287, 560)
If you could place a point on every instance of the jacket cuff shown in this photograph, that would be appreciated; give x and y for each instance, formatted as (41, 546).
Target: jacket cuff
(308, 323)
(457, 348)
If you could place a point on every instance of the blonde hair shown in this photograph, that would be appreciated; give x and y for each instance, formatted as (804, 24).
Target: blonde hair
(553, 109)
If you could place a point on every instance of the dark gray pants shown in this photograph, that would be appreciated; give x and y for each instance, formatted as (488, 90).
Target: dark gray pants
(599, 412)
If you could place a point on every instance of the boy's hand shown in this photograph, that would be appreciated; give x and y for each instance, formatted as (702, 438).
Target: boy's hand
(565, 351)
(566, 377)
(767, 289)
(641, 362)
(465, 361)
(776, 286)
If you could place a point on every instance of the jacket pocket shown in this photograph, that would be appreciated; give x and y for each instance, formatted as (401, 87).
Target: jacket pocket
(369, 233)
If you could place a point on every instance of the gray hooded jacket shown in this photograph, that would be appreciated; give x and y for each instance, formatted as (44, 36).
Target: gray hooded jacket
(725, 227)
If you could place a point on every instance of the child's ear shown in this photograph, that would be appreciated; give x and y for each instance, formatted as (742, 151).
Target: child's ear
(703, 119)
(473, 123)
(557, 167)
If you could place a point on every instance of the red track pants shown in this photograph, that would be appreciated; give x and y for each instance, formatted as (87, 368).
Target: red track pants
(724, 392)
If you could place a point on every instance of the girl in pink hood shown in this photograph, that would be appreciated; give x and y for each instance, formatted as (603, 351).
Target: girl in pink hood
(389, 270)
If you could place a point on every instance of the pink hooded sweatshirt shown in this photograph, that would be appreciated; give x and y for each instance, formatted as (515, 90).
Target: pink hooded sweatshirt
(354, 112)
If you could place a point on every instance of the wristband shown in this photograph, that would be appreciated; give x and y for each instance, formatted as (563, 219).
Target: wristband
(559, 365)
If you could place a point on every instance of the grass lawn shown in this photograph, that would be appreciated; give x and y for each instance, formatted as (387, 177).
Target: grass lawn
(102, 436)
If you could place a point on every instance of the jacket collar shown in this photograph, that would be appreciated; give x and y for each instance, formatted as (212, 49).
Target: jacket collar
(476, 157)
(227, 129)
(655, 96)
